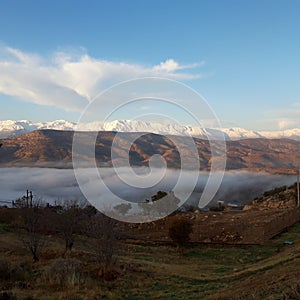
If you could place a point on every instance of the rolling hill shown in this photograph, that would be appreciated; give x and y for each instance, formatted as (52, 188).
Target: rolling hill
(53, 148)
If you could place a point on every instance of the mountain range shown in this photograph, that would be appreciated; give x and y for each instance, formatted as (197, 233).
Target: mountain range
(11, 128)
(53, 148)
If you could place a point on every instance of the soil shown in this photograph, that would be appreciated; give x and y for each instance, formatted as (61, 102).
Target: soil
(226, 227)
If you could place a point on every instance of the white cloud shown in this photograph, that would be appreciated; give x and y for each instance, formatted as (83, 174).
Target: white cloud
(287, 123)
(288, 118)
(170, 65)
(70, 81)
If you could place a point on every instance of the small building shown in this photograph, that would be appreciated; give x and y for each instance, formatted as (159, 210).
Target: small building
(221, 205)
(235, 205)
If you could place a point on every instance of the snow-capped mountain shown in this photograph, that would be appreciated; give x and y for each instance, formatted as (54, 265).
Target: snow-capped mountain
(11, 128)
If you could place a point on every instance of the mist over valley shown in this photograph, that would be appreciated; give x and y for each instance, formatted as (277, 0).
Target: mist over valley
(50, 184)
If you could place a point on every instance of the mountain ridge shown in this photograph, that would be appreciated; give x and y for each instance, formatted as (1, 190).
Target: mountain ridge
(53, 148)
(10, 128)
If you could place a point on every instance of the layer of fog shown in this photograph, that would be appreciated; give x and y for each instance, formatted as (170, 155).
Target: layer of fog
(58, 184)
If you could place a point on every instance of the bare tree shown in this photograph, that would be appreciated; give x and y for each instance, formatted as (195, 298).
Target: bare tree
(30, 229)
(68, 221)
(105, 233)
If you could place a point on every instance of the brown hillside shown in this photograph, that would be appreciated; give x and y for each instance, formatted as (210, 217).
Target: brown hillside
(43, 147)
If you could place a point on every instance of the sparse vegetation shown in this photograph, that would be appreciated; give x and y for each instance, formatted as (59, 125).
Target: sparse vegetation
(13, 270)
(97, 269)
(103, 230)
(64, 272)
(275, 191)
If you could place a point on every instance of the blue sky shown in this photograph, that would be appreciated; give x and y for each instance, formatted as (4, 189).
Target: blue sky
(242, 56)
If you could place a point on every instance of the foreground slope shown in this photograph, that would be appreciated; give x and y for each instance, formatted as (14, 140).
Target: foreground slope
(148, 270)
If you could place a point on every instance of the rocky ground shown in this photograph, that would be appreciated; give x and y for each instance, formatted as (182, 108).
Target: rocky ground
(280, 198)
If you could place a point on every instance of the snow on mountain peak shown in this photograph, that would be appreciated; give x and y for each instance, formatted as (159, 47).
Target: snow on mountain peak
(9, 128)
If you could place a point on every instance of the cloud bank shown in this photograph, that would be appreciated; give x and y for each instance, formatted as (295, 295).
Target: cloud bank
(287, 118)
(69, 81)
(53, 184)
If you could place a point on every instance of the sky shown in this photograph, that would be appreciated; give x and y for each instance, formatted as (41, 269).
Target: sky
(241, 56)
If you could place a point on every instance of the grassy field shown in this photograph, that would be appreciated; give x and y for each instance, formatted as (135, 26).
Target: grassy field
(149, 271)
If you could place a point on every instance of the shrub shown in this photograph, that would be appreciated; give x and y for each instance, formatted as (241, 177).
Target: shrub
(64, 272)
(180, 231)
(8, 215)
(159, 195)
(12, 270)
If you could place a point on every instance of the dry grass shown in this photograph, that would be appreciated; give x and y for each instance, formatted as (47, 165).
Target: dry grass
(149, 271)
(64, 272)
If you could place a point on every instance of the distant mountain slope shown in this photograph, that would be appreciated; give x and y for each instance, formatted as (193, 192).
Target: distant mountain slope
(54, 148)
(14, 128)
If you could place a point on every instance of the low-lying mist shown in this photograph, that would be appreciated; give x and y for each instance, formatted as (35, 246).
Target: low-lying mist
(51, 184)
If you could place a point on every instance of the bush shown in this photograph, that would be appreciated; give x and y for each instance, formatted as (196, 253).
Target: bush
(275, 191)
(12, 270)
(8, 215)
(64, 272)
(180, 231)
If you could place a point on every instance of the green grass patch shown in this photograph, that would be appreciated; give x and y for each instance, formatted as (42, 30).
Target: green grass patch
(173, 287)
(232, 255)
(291, 234)
(5, 227)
